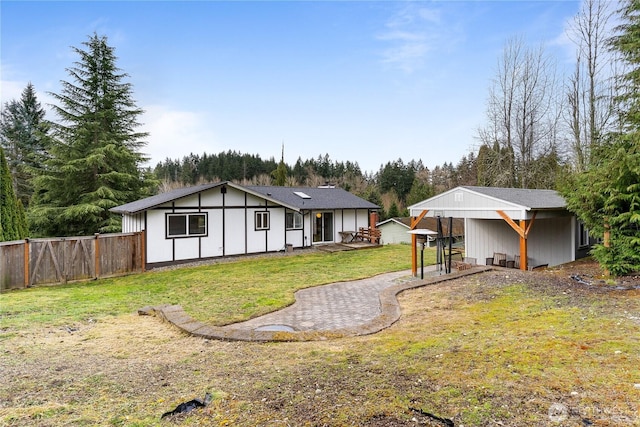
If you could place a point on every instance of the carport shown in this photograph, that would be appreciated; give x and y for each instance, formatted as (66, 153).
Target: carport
(532, 224)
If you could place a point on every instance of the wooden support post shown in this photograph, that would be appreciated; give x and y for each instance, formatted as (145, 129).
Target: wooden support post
(414, 242)
(26, 263)
(523, 230)
(606, 241)
(414, 255)
(143, 250)
(523, 246)
(96, 257)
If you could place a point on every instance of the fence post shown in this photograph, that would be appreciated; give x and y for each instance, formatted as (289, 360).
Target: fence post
(96, 257)
(26, 263)
(143, 250)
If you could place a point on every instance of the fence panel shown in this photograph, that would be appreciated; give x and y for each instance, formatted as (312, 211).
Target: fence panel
(12, 262)
(60, 260)
(120, 253)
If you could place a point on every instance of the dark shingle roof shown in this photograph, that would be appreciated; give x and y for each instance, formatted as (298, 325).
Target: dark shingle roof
(319, 197)
(534, 199)
(159, 199)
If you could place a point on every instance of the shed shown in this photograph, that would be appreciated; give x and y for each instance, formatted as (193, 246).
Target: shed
(221, 219)
(395, 230)
(534, 225)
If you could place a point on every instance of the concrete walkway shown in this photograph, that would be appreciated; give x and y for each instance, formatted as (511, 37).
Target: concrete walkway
(336, 310)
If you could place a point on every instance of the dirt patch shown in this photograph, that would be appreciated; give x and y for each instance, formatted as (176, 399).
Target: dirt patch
(499, 348)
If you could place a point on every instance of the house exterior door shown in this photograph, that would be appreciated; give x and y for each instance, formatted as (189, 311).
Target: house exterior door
(323, 227)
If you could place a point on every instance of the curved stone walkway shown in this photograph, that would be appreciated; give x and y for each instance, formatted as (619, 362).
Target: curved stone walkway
(336, 310)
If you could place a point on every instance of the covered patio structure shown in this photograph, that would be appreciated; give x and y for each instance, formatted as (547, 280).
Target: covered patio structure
(531, 226)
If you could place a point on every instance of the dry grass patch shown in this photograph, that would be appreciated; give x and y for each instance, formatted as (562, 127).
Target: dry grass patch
(483, 350)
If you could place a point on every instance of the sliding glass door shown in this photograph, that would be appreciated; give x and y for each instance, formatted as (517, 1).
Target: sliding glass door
(323, 227)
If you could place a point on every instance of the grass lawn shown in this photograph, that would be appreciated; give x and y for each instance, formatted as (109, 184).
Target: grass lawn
(502, 348)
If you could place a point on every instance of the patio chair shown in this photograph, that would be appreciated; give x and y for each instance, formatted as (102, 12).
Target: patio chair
(499, 259)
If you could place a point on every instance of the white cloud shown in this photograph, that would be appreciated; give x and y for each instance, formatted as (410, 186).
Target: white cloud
(174, 134)
(411, 33)
(10, 88)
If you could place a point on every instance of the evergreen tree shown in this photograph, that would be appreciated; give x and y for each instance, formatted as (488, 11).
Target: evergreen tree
(95, 163)
(24, 137)
(398, 177)
(419, 192)
(607, 196)
(393, 212)
(13, 224)
(280, 174)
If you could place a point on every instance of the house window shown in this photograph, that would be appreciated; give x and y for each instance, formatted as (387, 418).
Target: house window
(262, 220)
(186, 225)
(583, 238)
(293, 220)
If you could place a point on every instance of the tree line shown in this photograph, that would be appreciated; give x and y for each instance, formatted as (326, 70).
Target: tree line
(576, 133)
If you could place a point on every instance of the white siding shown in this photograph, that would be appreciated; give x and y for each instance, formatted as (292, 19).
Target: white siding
(187, 248)
(235, 235)
(159, 248)
(132, 223)
(276, 235)
(549, 241)
(213, 244)
(295, 238)
(349, 222)
(362, 218)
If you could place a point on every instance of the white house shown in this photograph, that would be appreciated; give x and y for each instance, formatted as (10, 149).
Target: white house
(531, 224)
(221, 219)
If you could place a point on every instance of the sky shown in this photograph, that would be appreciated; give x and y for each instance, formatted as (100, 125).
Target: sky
(366, 82)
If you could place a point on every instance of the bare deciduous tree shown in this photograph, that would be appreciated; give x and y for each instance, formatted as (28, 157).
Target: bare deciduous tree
(522, 115)
(589, 91)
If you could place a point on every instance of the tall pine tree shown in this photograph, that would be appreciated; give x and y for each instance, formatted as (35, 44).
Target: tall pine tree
(13, 224)
(280, 174)
(24, 135)
(96, 162)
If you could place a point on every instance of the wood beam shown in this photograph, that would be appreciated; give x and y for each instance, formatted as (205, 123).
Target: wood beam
(523, 229)
(414, 242)
(513, 225)
(533, 218)
(415, 220)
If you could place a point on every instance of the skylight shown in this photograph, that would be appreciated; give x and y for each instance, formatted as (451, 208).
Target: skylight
(302, 195)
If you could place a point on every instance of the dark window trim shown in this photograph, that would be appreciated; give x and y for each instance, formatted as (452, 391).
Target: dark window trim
(188, 234)
(263, 214)
(294, 213)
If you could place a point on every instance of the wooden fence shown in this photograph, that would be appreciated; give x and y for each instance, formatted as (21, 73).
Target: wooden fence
(31, 262)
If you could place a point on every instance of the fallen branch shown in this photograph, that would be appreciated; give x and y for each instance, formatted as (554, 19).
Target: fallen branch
(189, 406)
(445, 421)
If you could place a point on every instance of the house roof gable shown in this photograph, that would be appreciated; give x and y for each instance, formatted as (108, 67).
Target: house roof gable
(516, 198)
(319, 198)
(162, 198)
